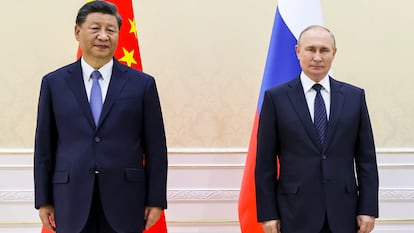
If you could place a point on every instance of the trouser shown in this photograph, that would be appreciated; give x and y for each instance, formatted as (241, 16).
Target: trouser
(97, 222)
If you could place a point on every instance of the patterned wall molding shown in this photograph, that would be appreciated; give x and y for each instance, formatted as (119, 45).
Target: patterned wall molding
(206, 195)
(16, 196)
(201, 150)
(203, 195)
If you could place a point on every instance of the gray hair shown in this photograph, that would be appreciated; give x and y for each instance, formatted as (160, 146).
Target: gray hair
(317, 26)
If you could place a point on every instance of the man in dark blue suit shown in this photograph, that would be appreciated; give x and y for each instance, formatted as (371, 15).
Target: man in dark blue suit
(100, 160)
(319, 130)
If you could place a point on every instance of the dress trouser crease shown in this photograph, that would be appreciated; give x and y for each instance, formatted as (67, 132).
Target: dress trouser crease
(97, 222)
(325, 228)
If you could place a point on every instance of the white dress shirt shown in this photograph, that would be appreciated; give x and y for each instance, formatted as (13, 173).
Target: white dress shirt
(310, 93)
(106, 72)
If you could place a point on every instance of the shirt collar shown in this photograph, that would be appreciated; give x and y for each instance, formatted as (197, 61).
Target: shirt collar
(308, 83)
(106, 70)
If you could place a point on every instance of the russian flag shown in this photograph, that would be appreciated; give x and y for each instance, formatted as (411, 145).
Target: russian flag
(292, 16)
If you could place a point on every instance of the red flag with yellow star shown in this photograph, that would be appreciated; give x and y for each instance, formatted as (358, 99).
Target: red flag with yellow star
(128, 53)
(128, 49)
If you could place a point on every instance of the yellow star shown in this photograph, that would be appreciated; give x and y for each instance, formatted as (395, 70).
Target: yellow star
(128, 57)
(133, 27)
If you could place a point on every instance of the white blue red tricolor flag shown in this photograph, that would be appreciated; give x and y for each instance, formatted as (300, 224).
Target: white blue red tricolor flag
(292, 16)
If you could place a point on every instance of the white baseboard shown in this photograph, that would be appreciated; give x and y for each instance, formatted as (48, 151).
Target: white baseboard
(203, 189)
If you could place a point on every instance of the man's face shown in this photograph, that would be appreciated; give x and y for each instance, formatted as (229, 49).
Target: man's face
(315, 52)
(98, 37)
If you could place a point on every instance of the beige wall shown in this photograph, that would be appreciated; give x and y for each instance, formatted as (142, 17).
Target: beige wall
(208, 59)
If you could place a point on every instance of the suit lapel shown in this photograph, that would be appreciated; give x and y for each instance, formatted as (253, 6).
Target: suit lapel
(75, 81)
(337, 102)
(298, 101)
(117, 83)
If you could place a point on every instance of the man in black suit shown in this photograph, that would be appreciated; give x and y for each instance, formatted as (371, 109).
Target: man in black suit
(100, 160)
(319, 130)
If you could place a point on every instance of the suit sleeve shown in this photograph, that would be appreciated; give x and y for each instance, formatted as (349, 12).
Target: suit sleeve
(155, 149)
(366, 165)
(266, 169)
(44, 149)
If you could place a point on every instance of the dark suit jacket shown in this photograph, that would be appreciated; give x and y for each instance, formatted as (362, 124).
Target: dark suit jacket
(70, 149)
(315, 182)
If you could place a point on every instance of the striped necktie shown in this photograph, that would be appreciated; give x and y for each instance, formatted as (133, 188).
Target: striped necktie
(320, 118)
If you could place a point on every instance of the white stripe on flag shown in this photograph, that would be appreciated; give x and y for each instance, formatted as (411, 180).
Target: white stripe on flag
(299, 14)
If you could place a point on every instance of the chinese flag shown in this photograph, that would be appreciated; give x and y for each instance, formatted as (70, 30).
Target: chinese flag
(128, 53)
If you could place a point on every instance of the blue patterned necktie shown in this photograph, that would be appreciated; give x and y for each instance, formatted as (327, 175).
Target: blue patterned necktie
(96, 96)
(320, 118)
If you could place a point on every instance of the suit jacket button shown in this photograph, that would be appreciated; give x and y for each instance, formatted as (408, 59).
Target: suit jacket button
(94, 171)
(97, 139)
(323, 156)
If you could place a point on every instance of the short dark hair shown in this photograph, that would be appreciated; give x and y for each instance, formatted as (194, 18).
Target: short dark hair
(100, 7)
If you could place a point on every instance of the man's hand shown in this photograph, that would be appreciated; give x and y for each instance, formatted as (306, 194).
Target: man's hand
(152, 214)
(366, 223)
(272, 226)
(47, 216)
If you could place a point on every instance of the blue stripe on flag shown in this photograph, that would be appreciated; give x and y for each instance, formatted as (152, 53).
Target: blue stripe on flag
(282, 64)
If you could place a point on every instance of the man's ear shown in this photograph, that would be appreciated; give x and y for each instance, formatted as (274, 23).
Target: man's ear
(297, 48)
(76, 31)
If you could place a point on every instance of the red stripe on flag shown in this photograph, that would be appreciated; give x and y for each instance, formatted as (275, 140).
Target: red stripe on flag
(247, 198)
(45, 230)
(159, 227)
